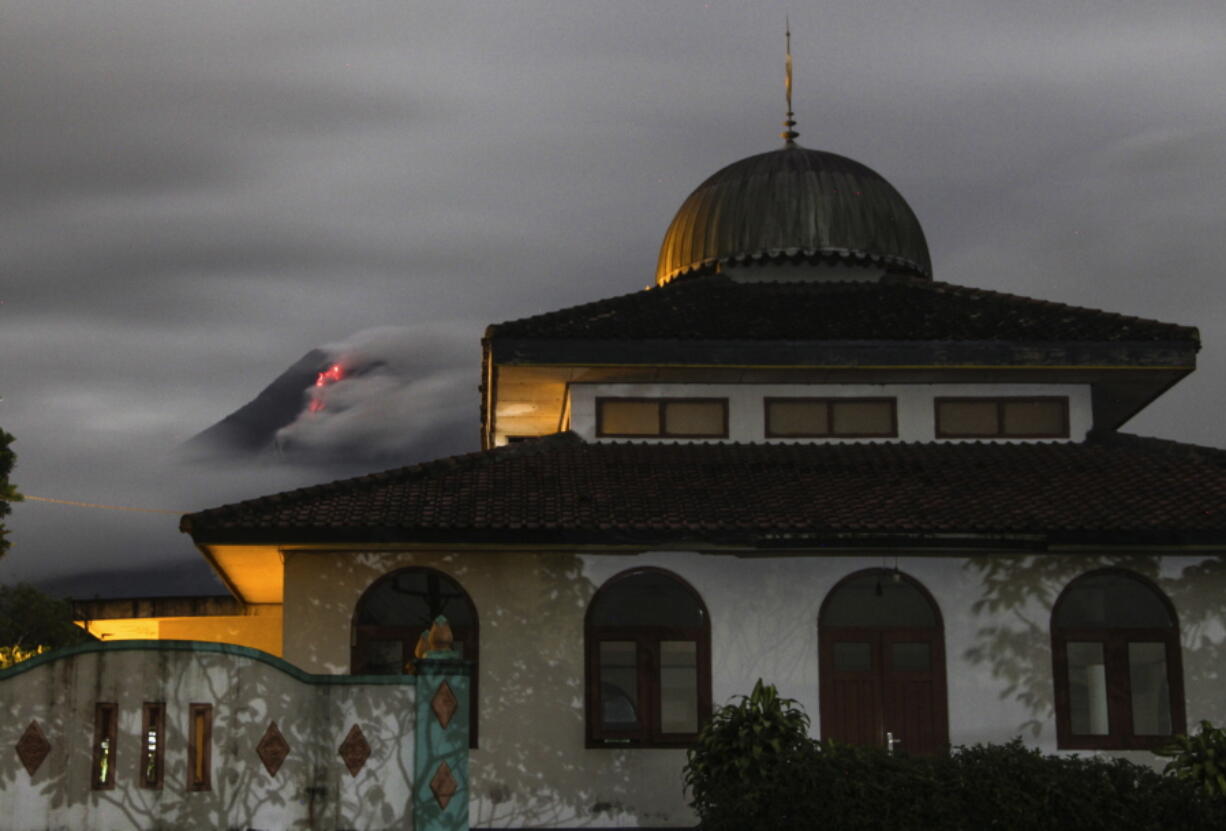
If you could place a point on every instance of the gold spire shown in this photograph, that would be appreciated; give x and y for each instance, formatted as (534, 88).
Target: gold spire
(789, 135)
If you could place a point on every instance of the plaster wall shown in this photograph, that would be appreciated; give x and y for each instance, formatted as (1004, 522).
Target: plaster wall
(532, 767)
(247, 691)
(747, 417)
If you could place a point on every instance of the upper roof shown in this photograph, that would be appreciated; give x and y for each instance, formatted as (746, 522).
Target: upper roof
(793, 202)
(560, 490)
(896, 308)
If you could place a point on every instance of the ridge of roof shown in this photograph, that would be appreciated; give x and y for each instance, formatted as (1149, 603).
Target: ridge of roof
(695, 298)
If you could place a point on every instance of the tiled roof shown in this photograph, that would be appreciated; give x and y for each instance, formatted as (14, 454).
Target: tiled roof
(560, 489)
(896, 308)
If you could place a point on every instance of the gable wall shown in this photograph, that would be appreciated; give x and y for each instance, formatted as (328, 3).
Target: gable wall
(532, 767)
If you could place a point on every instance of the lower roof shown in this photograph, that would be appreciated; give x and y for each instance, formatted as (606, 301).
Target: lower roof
(1114, 489)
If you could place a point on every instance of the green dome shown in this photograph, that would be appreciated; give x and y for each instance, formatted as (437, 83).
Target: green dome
(793, 203)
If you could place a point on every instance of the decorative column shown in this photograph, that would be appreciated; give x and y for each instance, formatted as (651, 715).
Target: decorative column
(440, 760)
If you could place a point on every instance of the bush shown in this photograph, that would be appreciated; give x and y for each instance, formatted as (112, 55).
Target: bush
(1200, 759)
(755, 767)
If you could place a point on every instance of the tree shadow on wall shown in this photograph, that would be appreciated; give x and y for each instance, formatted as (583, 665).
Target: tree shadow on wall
(1016, 600)
(531, 768)
(312, 789)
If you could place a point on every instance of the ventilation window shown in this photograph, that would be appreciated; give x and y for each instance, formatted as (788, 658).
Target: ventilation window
(199, 748)
(153, 743)
(799, 418)
(1018, 418)
(102, 771)
(682, 418)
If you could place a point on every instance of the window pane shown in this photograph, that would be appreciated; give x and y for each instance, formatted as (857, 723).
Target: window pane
(863, 418)
(853, 657)
(629, 418)
(796, 418)
(877, 599)
(967, 418)
(910, 657)
(1151, 694)
(619, 691)
(694, 418)
(1087, 682)
(1111, 601)
(1035, 418)
(678, 687)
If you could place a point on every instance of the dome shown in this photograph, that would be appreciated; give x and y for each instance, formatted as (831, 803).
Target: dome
(793, 203)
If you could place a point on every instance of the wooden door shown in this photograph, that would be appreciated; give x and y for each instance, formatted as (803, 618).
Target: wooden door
(882, 664)
(879, 684)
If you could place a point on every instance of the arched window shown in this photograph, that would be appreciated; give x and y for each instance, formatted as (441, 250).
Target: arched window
(393, 613)
(648, 644)
(1116, 663)
(882, 663)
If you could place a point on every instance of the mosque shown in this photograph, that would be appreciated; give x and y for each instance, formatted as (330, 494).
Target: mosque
(797, 457)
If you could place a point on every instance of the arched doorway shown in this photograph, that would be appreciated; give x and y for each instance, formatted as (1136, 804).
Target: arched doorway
(882, 662)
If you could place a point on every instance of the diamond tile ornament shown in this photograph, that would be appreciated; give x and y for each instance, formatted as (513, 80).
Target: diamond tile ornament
(33, 747)
(444, 704)
(443, 785)
(272, 749)
(354, 750)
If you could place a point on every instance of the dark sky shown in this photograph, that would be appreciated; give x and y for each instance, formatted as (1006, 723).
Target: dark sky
(196, 194)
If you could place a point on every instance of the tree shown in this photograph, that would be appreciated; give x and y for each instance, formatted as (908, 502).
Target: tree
(32, 622)
(8, 491)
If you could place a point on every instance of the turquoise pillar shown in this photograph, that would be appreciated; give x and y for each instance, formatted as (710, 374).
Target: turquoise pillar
(440, 759)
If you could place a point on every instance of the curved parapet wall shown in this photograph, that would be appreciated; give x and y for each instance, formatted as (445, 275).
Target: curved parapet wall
(287, 747)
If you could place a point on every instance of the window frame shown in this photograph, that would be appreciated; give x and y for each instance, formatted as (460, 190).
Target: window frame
(661, 418)
(1115, 641)
(200, 754)
(106, 730)
(153, 719)
(1000, 402)
(647, 639)
(469, 637)
(829, 404)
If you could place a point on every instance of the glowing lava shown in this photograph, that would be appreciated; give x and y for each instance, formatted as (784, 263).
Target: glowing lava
(326, 378)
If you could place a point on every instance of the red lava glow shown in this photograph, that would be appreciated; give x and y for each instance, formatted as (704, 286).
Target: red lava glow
(330, 375)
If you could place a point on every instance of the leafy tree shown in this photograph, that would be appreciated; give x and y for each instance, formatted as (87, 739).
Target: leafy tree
(32, 622)
(8, 491)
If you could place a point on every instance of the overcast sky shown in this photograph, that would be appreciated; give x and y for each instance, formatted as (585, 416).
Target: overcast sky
(195, 194)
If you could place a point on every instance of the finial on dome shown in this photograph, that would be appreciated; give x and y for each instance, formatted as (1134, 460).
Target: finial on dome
(789, 135)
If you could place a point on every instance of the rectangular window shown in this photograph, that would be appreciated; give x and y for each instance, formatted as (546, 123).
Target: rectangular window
(200, 747)
(619, 685)
(1151, 690)
(153, 744)
(688, 418)
(678, 687)
(1021, 418)
(102, 769)
(831, 417)
(1087, 685)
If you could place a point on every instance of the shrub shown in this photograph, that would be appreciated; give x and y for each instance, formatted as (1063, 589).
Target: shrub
(739, 769)
(755, 767)
(1200, 759)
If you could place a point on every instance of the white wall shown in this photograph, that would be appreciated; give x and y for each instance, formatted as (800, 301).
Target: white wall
(746, 411)
(532, 768)
(246, 693)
